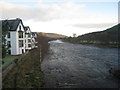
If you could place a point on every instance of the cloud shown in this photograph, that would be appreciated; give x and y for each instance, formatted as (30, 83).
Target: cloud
(100, 25)
(66, 27)
(44, 12)
(64, 18)
(61, 0)
(40, 11)
(13, 11)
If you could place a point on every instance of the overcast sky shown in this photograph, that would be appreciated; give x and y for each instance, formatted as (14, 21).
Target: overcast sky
(62, 16)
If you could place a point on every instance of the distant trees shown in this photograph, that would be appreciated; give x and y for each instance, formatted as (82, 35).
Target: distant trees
(74, 35)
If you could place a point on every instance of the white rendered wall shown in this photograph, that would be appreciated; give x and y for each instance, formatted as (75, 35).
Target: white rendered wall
(13, 40)
(28, 42)
(20, 48)
(14, 43)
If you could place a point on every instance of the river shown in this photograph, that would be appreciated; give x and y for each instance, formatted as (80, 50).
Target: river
(79, 66)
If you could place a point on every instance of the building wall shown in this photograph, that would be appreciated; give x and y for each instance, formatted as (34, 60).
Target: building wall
(19, 49)
(14, 43)
(13, 40)
(27, 42)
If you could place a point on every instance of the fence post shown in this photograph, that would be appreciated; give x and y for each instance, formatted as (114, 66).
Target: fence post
(40, 54)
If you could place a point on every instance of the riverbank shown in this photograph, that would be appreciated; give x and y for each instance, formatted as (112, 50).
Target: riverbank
(105, 45)
(27, 72)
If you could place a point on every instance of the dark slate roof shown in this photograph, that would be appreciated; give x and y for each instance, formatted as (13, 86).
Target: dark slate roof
(13, 24)
(34, 33)
(26, 28)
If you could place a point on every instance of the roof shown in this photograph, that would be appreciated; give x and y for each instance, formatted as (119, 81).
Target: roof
(26, 28)
(13, 24)
(34, 33)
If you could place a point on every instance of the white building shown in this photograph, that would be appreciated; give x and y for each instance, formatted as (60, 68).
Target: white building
(30, 38)
(19, 38)
(34, 40)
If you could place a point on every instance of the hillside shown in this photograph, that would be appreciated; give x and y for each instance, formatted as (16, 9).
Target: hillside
(51, 35)
(107, 37)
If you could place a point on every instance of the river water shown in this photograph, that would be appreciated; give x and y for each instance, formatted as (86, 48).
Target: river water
(79, 66)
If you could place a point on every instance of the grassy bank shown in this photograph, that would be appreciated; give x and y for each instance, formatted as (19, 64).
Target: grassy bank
(8, 60)
(27, 72)
(104, 45)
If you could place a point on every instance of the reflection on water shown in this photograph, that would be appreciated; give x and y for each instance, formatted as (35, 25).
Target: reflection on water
(56, 41)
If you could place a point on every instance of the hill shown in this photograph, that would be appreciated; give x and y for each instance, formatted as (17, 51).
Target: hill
(108, 37)
(51, 35)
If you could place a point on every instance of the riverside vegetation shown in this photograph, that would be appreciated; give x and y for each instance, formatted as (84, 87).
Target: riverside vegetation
(27, 71)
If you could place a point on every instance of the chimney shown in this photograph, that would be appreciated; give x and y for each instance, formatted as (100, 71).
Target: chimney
(18, 18)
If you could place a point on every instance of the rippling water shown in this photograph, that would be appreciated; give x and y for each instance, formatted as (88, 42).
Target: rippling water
(79, 66)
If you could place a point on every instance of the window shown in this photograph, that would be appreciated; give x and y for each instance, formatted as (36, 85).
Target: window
(22, 50)
(20, 34)
(29, 35)
(9, 51)
(20, 43)
(36, 44)
(8, 36)
(9, 44)
(29, 45)
(20, 28)
(29, 40)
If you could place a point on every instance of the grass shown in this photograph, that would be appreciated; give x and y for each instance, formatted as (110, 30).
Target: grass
(101, 45)
(8, 60)
(95, 45)
(36, 79)
(27, 72)
(17, 73)
(29, 65)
